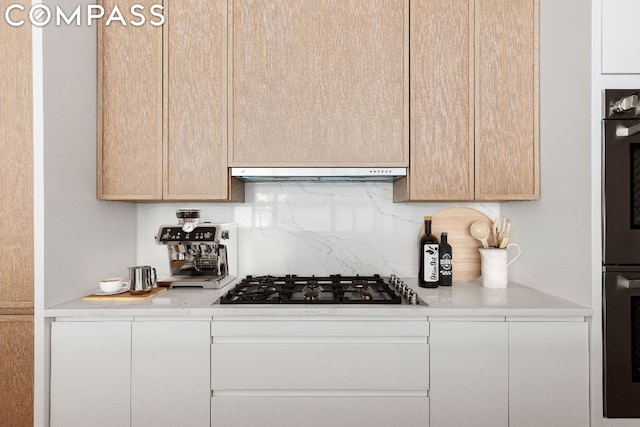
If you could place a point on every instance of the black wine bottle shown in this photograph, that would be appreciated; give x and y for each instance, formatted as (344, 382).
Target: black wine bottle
(429, 259)
(446, 261)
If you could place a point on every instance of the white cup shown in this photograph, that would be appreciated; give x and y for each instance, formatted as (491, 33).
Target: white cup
(113, 285)
(494, 263)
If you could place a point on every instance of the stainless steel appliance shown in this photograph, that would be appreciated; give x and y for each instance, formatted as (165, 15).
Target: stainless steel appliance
(621, 253)
(201, 254)
(622, 342)
(322, 174)
(333, 289)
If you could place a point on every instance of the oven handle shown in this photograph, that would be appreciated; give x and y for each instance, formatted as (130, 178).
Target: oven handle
(629, 283)
(627, 131)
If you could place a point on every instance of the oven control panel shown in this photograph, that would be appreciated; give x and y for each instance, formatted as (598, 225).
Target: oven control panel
(176, 234)
(621, 104)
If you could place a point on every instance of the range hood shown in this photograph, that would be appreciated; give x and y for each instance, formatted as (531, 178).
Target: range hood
(373, 174)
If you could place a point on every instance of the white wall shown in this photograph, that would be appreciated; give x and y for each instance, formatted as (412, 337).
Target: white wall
(555, 232)
(85, 239)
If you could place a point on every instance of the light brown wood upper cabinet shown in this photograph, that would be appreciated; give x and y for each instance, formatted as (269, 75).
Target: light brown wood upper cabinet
(474, 101)
(319, 83)
(16, 176)
(16, 207)
(129, 110)
(162, 121)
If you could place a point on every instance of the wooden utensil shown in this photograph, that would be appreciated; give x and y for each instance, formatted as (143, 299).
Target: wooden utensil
(503, 241)
(501, 228)
(480, 231)
(456, 221)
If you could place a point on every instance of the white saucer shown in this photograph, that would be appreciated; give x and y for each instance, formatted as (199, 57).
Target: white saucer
(120, 291)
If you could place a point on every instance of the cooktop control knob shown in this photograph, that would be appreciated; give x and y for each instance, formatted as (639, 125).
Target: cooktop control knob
(402, 288)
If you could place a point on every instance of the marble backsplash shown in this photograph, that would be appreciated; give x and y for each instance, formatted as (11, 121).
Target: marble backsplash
(309, 228)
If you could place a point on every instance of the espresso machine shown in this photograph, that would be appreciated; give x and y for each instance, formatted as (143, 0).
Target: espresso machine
(201, 254)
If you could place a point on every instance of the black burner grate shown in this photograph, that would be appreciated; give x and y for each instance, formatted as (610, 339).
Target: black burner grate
(293, 289)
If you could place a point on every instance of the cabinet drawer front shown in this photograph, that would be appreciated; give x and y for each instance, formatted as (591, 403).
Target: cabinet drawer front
(325, 365)
(310, 328)
(319, 411)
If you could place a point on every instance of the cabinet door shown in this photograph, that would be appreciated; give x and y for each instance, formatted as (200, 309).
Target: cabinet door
(474, 101)
(506, 100)
(548, 374)
(90, 374)
(16, 371)
(469, 374)
(320, 83)
(620, 35)
(170, 374)
(129, 109)
(441, 166)
(16, 174)
(196, 100)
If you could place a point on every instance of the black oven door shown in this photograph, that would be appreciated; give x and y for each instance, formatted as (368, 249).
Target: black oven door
(621, 192)
(621, 319)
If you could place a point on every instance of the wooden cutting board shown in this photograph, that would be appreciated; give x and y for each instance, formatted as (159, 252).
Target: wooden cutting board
(456, 222)
(125, 296)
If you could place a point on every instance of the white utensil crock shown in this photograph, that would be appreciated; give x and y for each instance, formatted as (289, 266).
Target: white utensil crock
(493, 266)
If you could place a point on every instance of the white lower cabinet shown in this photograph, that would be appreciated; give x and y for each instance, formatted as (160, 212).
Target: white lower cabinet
(509, 373)
(548, 374)
(317, 373)
(123, 373)
(170, 374)
(469, 374)
(90, 366)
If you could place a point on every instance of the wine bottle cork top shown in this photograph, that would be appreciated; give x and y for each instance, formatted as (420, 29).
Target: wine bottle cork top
(427, 218)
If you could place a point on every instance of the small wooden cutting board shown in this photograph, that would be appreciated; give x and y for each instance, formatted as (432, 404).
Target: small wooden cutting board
(126, 296)
(456, 222)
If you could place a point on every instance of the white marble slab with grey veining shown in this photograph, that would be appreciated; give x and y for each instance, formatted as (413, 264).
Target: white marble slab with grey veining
(468, 299)
(309, 228)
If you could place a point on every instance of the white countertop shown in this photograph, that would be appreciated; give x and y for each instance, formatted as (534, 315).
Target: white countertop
(468, 299)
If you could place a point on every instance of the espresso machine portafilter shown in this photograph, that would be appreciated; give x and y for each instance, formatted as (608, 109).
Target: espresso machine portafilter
(201, 254)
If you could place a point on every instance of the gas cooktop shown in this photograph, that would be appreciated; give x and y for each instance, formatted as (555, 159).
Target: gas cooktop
(333, 289)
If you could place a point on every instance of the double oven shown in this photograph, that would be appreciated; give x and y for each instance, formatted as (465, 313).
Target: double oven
(621, 253)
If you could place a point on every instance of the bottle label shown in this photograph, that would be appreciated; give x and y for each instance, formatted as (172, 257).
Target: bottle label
(446, 265)
(430, 259)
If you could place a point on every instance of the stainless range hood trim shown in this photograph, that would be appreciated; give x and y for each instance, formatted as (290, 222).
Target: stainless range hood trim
(376, 174)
